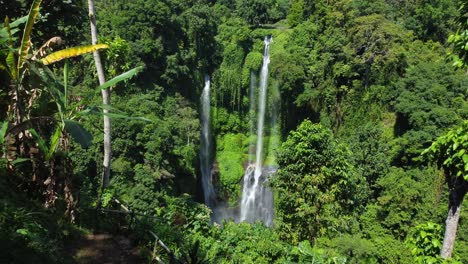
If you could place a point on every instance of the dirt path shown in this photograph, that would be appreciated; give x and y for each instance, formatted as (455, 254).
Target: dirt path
(105, 248)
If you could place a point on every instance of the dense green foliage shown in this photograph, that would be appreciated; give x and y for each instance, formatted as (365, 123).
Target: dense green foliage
(361, 89)
(316, 182)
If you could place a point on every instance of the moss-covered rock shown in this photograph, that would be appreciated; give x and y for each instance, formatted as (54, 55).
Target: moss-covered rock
(230, 157)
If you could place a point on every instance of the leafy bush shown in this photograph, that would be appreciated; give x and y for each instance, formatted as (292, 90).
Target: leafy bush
(242, 243)
(425, 242)
(31, 235)
(304, 253)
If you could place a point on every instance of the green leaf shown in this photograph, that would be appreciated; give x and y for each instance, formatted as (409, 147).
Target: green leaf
(40, 141)
(121, 116)
(461, 152)
(11, 63)
(78, 133)
(121, 77)
(3, 68)
(22, 231)
(3, 131)
(53, 86)
(19, 21)
(54, 142)
(451, 38)
(436, 243)
(13, 32)
(65, 83)
(6, 33)
(106, 198)
(19, 160)
(3, 35)
(26, 40)
(423, 234)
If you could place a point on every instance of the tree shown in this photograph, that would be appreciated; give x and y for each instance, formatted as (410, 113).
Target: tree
(296, 13)
(255, 12)
(430, 98)
(406, 197)
(105, 98)
(431, 20)
(318, 187)
(450, 152)
(372, 39)
(460, 38)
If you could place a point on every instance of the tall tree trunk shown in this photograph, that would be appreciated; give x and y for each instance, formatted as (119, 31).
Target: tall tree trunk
(457, 191)
(105, 98)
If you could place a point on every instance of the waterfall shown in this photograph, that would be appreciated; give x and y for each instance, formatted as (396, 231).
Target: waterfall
(252, 90)
(205, 152)
(257, 200)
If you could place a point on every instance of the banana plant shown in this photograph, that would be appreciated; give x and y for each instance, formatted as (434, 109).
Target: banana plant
(18, 60)
(66, 122)
(28, 73)
(68, 115)
(21, 62)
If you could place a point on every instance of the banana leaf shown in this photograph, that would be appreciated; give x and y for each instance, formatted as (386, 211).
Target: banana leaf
(3, 131)
(18, 21)
(78, 133)
(40, 141)
(26, 40)
(121, 77)
(71, 52)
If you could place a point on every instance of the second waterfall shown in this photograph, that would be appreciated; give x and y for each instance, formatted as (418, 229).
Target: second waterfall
(257, 199)
(205, 151)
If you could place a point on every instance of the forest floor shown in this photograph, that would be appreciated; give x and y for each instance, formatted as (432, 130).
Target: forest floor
(104, 248)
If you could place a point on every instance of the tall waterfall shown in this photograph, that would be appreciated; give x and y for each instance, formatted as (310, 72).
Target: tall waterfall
(257, 199)
(205, 152)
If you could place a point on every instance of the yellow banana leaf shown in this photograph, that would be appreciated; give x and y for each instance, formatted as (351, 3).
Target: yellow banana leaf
(71, 52)
(26, 41)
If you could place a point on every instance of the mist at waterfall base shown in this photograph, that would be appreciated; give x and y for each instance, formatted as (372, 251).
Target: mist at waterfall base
(257, 198)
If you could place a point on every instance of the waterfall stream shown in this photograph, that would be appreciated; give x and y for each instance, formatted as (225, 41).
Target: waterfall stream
(257, 199)
(205, 152)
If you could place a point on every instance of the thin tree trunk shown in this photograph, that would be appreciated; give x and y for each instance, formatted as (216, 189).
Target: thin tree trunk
(457, 191)
(105, 98)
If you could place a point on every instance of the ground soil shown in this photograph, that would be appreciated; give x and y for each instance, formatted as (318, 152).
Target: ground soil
(104, 248)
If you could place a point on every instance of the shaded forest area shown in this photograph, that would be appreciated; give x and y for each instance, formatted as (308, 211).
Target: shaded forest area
(373, 114)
